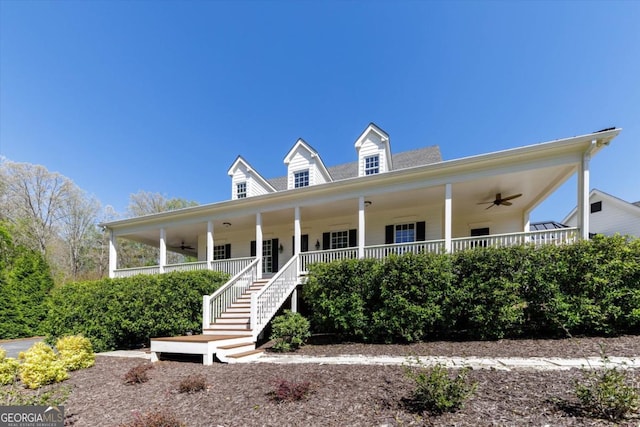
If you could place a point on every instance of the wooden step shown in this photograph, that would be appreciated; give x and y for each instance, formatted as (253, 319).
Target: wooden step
(244, 357)
(244, 314)
(227, 331)
(205, 345)
(232, 320)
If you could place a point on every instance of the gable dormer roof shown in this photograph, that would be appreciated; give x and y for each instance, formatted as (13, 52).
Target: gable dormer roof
(240, 162)
(373, 133)
(302, 145)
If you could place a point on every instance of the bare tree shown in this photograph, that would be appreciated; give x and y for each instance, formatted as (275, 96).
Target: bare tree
(78, 229)
(34, 201)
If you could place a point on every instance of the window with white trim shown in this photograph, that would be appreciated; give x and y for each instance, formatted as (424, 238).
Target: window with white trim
(339, 239)
(219, 252)
(241, 190)
(405, 233)
(301, 179)
(372, 165)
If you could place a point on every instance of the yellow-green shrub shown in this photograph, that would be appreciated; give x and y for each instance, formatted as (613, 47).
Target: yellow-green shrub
(8, 368)
(75, 352)
(41, 366)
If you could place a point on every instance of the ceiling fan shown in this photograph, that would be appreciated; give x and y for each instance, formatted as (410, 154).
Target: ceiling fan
(184, 247)
(499, 200)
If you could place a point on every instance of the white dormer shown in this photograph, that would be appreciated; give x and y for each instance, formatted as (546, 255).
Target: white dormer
(246, 182)
(304, 166)
(374, 151)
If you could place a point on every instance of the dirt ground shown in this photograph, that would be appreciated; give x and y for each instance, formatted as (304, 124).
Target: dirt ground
(239, 395)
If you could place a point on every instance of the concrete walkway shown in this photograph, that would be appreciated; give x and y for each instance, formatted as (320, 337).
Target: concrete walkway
(497, 363)
(14, 347)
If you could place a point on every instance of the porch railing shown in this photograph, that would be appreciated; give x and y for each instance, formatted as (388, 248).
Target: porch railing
(307, 258)
(544, 237)
(186, 266)
(382, 251)
(215, 304)
(266, 302)
(134, 271)
(230, 266)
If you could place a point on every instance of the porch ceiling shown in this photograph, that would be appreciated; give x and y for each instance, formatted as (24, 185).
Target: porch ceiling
(534, 184)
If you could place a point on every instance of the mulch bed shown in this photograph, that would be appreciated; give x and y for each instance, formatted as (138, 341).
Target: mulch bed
(341, 395)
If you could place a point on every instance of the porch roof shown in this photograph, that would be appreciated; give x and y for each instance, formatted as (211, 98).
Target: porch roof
(535, 170)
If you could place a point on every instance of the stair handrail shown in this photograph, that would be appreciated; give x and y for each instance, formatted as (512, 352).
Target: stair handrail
(215, 304)
(266, 302)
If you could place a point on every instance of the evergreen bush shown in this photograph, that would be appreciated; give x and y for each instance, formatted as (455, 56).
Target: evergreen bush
(587, 288)
(126, 313)
(8, 368)
(41, 366)
(290, 331)
(75, 352)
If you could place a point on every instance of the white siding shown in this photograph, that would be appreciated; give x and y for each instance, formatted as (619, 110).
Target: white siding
(612, 219)
(239, 175)
(254, 186)
(300, 161)
(370, 147)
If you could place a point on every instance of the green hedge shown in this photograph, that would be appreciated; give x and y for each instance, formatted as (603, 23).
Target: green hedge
(588, 288)
(126, 313)
(25, 282)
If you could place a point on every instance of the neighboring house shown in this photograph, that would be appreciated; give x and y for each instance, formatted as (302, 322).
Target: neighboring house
(609, 215)
(381, 203)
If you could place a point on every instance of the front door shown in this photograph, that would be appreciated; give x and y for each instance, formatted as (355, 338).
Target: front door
(270, 250)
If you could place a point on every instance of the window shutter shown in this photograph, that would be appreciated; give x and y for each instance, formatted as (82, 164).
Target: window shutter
(293, 245)
(421, 231)
(326, 241)
(304, 244)
(253, 248)
(388, 235)
(353, 238)
(227, 251)
(274, 255)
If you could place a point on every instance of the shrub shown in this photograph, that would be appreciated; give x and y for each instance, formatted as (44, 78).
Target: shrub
(192, 384)
(608, 393)
(127, 312)
(75, 352)
(15, 395)
(40, 366)
(138, 374)
(290, 391)
(290, 331)
(8, 368)
(437, 392)
(155, 419)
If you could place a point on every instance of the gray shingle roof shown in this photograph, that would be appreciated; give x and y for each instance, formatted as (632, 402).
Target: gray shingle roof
(546, 225)
(406, 159)
(637, 203)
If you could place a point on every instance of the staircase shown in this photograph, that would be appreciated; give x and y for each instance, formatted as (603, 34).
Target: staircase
(227, 331)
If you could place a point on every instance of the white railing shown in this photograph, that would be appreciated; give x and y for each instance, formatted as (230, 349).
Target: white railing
(129, 272)
(544, 237)
(231, 266)
(215, 304)
(186, 266)
(307, 258)
(266, 302)
(382, 251)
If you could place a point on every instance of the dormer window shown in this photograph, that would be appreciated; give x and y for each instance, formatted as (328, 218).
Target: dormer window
(372, 165)
(301, 179)
(241, 190)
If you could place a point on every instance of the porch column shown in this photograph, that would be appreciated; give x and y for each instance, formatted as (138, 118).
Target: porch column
(259, 243)
(361, 225)
(447, 217)
(297, 232)
(163, 249)
(113, 254)
(526, 222)
(209, 245)
(583, 196)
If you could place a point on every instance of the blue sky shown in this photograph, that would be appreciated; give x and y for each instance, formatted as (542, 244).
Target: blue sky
(123, 96)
